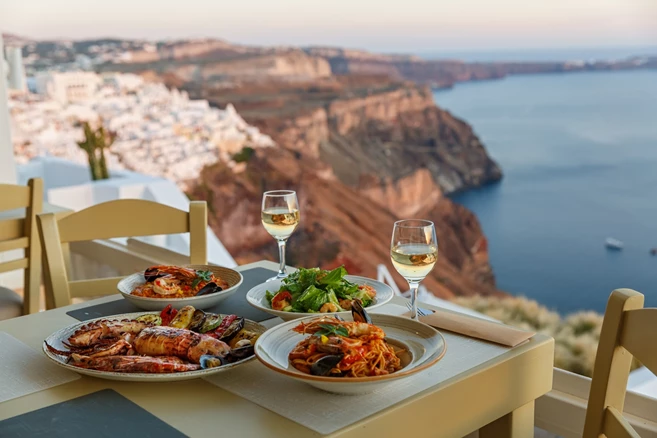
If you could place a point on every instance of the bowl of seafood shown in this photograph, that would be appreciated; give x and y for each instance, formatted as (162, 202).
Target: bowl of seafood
(355, 355)
(154, 347)
(311, 291)
(201, 286)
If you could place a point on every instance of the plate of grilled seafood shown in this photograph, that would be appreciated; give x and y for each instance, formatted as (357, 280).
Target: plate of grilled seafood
(201, 286)
(155, 346)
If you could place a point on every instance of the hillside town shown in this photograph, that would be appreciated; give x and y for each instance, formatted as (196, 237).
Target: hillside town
(160, 132)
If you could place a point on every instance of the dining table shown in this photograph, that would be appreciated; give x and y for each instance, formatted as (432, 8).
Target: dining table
(471, 392)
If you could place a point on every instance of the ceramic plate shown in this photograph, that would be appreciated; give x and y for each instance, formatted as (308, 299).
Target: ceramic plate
(56, 340)
(256, 297)
(425, 346)
(231, 276)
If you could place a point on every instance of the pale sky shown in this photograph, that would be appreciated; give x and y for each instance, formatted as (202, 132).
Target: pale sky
(388, 25)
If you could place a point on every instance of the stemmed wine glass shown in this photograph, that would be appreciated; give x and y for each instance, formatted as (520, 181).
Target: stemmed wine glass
(414, 250)
(280, 217)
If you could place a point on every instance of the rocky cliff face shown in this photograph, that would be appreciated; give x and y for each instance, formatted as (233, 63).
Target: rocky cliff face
(361, 152)
(445, 72)
(387, 133)
(291, 66)
(338, 224)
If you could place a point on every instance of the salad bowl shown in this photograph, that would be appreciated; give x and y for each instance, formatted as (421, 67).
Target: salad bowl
(257, 297)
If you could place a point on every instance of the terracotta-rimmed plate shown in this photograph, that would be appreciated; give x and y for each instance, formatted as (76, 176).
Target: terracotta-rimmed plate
(424, 347)
(257, 297)
(56, 340)
(231, 276)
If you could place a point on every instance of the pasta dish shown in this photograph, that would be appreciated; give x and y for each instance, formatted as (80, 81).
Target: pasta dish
(339, 348)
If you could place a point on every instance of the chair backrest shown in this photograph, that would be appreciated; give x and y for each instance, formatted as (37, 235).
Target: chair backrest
(21, 233)
(628, 330)
(120, 218)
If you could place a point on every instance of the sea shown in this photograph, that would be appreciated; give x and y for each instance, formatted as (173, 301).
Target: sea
(579, 156)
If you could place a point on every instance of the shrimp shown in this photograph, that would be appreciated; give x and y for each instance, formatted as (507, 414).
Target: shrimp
(355, 329)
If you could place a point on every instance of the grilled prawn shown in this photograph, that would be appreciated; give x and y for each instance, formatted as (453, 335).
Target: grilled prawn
(134, 364)
(185, 344)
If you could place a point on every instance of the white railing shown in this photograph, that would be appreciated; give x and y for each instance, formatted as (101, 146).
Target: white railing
(69, 185)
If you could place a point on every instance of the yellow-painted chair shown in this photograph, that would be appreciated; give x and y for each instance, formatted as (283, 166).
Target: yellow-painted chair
(120, 218)
(628, 331)
(21, 233)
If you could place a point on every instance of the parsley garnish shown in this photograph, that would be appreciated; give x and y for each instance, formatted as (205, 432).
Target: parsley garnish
(201, 276)
(329, 329)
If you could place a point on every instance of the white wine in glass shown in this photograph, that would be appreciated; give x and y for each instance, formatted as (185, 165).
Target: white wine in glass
(414, 251)
(280, 217)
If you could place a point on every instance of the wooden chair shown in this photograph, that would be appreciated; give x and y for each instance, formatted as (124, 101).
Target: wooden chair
(21, 233)
(120, 218)
(628, 330)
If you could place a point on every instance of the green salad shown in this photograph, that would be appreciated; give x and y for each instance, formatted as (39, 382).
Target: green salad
(319, 291)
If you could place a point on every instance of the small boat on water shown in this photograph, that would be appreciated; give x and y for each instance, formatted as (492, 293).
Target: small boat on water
(653, 251)
(613, 243)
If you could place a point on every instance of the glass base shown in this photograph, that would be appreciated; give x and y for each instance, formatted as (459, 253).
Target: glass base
(277, 277)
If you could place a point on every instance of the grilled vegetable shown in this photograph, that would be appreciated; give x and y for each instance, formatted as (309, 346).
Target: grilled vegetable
(151, 318)
(232, 329)
(197, 320)
(167, 315)
(184, 318)
(211, 322)
(243, 335)
(229, 326)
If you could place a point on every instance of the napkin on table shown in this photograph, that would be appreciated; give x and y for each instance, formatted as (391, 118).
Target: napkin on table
(476, 327)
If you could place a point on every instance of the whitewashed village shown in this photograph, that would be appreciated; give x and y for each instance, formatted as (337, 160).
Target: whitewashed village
(158, 131)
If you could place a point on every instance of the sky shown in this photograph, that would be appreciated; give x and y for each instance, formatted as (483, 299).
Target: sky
(379, 25)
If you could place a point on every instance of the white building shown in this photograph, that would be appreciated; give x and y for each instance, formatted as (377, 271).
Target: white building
(17, 80)
(68, 86)
(159, 132)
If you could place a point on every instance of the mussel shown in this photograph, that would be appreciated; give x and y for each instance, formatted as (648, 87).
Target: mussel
(234, 355)
(358, 312)
(153, 273)
(209, 361)
(240, 353)
(324, 365)
(209, 288)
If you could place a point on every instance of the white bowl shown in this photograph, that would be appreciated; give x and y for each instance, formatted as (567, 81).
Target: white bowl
(425, 346)
(256, 297)
(231, 276)
(55, 340)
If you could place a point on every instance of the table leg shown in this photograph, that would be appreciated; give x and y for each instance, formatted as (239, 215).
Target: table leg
(516, 424)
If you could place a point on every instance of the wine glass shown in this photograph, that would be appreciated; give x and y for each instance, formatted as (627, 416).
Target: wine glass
(414, 250)
(280, 217)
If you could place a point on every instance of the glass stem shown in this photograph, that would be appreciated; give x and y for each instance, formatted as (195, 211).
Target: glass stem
(281, 256)
(414, 285)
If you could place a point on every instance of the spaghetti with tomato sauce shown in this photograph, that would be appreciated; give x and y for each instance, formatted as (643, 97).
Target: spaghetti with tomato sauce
(362, 346)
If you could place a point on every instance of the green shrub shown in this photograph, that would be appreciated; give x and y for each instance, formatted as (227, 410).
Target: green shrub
(244, 155)
(576, 336)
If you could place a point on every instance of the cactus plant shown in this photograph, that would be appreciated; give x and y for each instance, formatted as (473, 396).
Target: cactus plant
(94, 144)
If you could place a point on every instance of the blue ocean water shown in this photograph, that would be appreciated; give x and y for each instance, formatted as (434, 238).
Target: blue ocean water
(579, 155)
(537, 55)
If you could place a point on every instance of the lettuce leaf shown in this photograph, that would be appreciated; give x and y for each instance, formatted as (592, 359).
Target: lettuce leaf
(363, 297)
(334, 277)
(312, 298)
